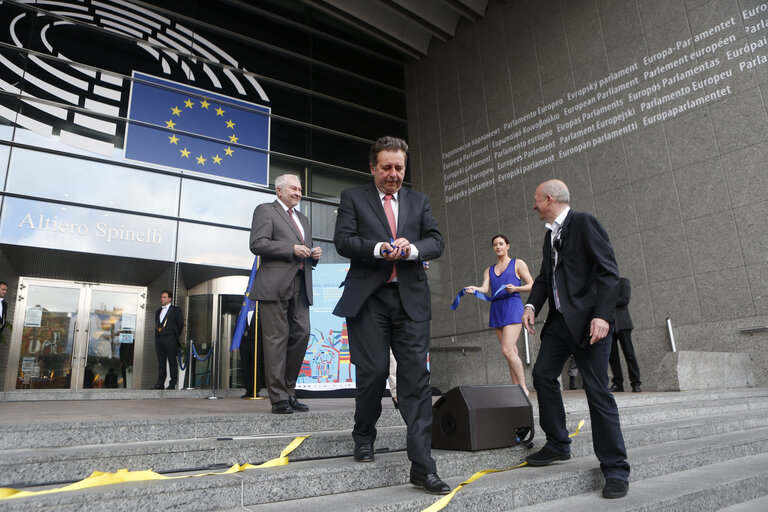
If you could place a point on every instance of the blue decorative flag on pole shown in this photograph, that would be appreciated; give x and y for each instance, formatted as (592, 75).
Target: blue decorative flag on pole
(248, 306)
(195, 130)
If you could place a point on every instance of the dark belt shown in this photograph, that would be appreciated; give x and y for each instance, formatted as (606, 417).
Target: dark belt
(391, 284)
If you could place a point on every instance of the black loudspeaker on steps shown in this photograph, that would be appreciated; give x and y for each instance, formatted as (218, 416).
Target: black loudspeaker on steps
(481, 418)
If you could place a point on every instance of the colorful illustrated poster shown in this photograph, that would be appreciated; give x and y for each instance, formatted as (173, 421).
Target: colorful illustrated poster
(327, 363)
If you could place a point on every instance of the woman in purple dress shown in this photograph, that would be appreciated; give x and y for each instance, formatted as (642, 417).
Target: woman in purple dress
(506, 305)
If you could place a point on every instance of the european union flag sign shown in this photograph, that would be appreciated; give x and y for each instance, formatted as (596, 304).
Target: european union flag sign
(235, 130)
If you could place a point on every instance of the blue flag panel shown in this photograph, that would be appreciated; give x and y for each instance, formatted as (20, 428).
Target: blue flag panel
(173, 108)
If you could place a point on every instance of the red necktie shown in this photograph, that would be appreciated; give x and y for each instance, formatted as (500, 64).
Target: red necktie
(290, 214)
(390, 213)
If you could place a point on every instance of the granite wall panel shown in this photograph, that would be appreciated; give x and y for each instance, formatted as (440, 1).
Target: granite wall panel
(652, 112)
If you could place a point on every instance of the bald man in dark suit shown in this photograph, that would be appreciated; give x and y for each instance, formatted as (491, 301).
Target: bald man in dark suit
(579, 279)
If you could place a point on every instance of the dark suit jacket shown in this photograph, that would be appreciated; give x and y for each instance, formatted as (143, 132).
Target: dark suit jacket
(5, 316)
(623, 320)
(587, 275)
(273, 235)
(361, 224)
(172, 324)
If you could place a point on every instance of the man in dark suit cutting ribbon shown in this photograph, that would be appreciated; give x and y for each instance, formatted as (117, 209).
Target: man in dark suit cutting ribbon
(387, 231)
(579, 280)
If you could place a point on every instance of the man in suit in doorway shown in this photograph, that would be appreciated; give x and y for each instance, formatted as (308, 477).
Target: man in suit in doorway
(579, 280)
(3, 306)
(281, 235)
(387, 231)
(169, 322)
(622, 334)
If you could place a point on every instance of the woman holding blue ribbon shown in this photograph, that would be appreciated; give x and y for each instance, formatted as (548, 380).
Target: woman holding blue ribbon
(505, 281)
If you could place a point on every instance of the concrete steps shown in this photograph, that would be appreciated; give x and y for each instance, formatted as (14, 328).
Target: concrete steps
(668, 435)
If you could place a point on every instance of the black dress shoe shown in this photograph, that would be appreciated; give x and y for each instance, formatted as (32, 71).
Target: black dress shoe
(282, 407)
(615, 488)
(616, 389)
(296, 405)
(636, 388)
(545, 457)
(171, 386)
(571, 382)
(364, 452)
(430, 482)
(158, 386)
(247, 394)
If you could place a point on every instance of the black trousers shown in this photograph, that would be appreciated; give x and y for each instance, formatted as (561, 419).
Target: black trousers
(557, 345)
(246, 360)
(167, 347)
(624, 337)
(383, 323)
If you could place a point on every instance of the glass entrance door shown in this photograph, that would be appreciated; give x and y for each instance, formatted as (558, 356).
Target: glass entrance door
(76, 335)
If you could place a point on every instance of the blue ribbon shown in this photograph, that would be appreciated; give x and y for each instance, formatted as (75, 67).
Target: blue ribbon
(197, 356)
(248, 305)
(392, 243)
(479, 295)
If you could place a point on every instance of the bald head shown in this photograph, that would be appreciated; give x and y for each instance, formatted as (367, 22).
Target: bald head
(550, 199)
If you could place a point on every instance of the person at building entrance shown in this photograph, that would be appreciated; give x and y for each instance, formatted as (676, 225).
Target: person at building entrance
(387, 231)
(3, 307)
(579, 279)
(169, 322)
(506, 306)
(282, 237)
(622, 334)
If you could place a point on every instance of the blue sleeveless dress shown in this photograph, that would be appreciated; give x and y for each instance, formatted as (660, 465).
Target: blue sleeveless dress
(506, 308)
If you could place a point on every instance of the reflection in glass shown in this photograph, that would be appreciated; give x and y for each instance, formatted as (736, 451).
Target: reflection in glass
(111, 339)
(70, 179)
(199, 325)
(219, 203)
(322, 218)
(45, 359)
(4, 152)
(209, 245)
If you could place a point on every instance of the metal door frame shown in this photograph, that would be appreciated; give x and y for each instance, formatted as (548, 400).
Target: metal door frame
(82, 326)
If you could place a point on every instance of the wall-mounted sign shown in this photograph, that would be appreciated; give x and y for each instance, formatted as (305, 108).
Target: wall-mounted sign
(33, 317)
(73, 228)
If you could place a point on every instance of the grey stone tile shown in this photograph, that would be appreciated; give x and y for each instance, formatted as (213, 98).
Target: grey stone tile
(448, 99)
(640, 306)
(753, 232)
(691, 138)
(607, 166)
(722, 294)
(553, 59)
(666, 253)
(523, 65)
(616, 211)
(656, 201)
(547, 20)
(620, 21)
(740, 120)
(556, 89)
(739, 81)
(594, 69)
(629, 256)
(675, 299)
(578, 9)
(713, 243)
(663, 22)
(574, 171)
(701, 189)
(757, 277)
(647, 153)
(585, 38)
(711, 14)
(627, 54)
(745, 174)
